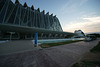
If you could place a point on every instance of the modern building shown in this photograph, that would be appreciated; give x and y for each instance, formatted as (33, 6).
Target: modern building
(80, 34)
(21, 22)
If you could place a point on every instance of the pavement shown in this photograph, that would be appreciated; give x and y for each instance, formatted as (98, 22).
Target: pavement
(66, 55)
(24, 54)
(16, 46)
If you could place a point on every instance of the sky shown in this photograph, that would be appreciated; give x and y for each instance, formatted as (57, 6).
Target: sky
(73, 14)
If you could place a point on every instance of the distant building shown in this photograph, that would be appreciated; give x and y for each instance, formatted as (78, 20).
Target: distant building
(22, 22)
(79, 34)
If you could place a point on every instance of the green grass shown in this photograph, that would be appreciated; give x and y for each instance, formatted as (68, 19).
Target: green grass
(91, 62)
(75, 65)
(46, 45)
(86, 64)
(96, 48)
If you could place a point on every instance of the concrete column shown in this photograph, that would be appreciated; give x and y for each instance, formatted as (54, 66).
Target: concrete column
(3, 11)
(50, 35)
(56, 35)
(35, 21)
(31, 36)
(20, 16)
(25, 36)
(53, 23)
(65, 36)
(38, 20)
(42, 20)
(48, 21)
(18, 35)
(60, 35)
(45, 36)
(27, 16)
(59, 26)
(45, 21)
(16, 15)
(41, 35)
(33, 18)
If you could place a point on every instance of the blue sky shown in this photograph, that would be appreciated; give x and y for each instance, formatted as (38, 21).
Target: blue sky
(72, 14)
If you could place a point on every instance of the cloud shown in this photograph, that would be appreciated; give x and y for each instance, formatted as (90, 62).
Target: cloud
(82, 2)
(88, 24)
(93, 19)
(72, 6)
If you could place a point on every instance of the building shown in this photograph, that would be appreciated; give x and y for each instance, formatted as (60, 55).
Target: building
(21, 22)
(80, 34)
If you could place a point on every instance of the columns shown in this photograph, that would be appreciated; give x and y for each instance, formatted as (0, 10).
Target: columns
(38, 19)
(48, 20)
(49, 35)
(42, 19)
(29, 23)
(41, 35)
(56, 35)
(17, 15)
(35, 20)
(4, 11)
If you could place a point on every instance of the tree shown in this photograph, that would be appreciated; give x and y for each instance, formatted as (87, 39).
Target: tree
(25, 4)
(32, 7)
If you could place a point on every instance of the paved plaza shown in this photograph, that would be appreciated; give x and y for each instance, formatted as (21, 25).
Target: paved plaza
(23, 54)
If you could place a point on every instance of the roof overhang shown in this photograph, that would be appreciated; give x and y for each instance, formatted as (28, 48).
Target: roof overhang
(28, 30)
